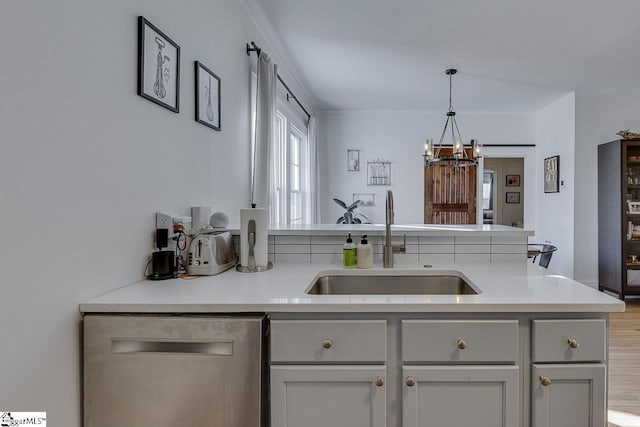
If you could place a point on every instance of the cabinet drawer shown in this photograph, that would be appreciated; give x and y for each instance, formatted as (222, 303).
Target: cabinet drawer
(329, 341)
(459, 341)
(569, 340)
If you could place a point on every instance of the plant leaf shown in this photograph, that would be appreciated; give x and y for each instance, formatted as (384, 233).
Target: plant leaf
(354, 205)
(348, 218)
(341, 203)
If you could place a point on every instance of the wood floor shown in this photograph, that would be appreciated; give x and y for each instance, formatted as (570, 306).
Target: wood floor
(624, 367)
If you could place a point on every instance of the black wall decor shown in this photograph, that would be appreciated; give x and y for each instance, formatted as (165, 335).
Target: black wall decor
(158, 66)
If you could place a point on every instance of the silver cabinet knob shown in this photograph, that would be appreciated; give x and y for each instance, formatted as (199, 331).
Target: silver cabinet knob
(379, 381)
(545, 381)
(462, 344)
(573, 343)
(327, 343)
(411, 381)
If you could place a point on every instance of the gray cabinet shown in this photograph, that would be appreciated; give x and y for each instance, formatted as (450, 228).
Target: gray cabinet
(568, 395)
(328, 373)
(336, 396)
(438, 370)
(565, 390)
(444, 389)
(460, 396)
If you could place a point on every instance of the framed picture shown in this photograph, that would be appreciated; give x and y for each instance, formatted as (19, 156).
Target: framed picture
(158, 66)
(366, 199)
(207, 97)
(379, 172)
(552, 174)
(634, 207)
(353, 160)
(513, 197)
(513, 180)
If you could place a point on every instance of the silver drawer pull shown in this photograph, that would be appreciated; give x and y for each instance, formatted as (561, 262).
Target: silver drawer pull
(327, 343)
(545, 381)
(411, 381)
(573, 343)
(462, 344)
(379, 381)
(211, 348)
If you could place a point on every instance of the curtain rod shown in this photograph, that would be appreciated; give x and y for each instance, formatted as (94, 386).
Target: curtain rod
(253, 47)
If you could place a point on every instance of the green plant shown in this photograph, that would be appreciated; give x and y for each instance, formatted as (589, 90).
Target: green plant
(350, 216)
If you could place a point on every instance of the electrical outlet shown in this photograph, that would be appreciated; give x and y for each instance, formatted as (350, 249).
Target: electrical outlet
(164, 220)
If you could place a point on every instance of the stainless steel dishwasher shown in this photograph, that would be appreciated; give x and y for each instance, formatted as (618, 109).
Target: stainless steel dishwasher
(173, 371)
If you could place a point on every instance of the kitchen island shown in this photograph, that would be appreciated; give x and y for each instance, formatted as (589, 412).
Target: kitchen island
(529, 349)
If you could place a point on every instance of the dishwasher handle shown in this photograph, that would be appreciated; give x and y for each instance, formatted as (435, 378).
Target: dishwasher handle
(207, 348)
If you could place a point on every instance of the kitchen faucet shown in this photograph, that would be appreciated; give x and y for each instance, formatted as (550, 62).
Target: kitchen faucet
(389, 249)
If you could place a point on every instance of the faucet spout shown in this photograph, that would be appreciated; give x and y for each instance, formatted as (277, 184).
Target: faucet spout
(389, 249)
(389, 217)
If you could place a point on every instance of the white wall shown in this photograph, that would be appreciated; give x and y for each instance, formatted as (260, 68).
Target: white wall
(555, 135)
(398, 137)
(599, 115)
(86, 163)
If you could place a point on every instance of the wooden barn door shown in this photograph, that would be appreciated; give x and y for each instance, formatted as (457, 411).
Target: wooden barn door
(449, 193)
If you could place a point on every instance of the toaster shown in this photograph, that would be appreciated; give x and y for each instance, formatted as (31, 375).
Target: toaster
(211, 254)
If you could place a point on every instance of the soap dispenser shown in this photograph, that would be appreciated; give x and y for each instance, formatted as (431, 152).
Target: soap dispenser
(349, 253)
(364, 253)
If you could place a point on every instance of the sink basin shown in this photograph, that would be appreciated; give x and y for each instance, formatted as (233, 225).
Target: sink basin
(445, 283)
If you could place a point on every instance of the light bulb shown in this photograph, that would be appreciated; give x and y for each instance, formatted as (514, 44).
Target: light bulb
(477, 148)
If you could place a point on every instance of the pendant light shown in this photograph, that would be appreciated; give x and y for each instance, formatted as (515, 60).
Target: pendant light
(459, 156)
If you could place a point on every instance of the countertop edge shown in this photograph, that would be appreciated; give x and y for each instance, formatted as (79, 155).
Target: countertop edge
(351, 308)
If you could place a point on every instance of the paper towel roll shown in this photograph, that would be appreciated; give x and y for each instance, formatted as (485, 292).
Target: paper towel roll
(260, 217)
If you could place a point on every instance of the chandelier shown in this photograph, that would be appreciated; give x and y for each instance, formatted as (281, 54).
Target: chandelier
(459, 156)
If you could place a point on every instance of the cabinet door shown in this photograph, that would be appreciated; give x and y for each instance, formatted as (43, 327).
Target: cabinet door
(568, 395)
(336, 396)
(460, 396)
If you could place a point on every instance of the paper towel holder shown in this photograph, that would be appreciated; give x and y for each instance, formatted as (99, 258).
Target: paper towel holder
(252, 267)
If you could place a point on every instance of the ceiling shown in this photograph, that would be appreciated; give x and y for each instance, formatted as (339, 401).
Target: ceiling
(512, 55)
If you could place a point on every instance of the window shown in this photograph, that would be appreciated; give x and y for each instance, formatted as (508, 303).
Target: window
(290, 201)
(291, 163)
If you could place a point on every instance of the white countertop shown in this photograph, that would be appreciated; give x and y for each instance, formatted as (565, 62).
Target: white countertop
(505, 287)
(409, 229)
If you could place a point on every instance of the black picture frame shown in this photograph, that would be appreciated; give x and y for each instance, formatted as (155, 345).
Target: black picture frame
(552, 174)
(512, 180)
(166, 82)
(205, 111)
(512, 197)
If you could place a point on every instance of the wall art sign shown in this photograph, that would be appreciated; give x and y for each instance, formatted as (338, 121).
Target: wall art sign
(552, 174)
(207, 97)
(513, 180)
(158, 66)
(513, 197)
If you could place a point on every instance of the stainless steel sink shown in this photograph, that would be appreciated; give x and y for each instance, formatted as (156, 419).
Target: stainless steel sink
(352, 284)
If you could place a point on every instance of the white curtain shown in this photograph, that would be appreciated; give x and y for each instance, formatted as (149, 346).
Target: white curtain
(261, 178)
(314, 162)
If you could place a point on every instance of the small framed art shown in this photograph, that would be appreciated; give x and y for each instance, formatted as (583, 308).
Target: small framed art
(207, 97)
(158, 66)
(552, 174)
(513, 197)
(353, 160)
(513, 180)
(366, 199)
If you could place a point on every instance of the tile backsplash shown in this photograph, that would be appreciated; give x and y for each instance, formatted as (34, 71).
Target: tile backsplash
(327, 249)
